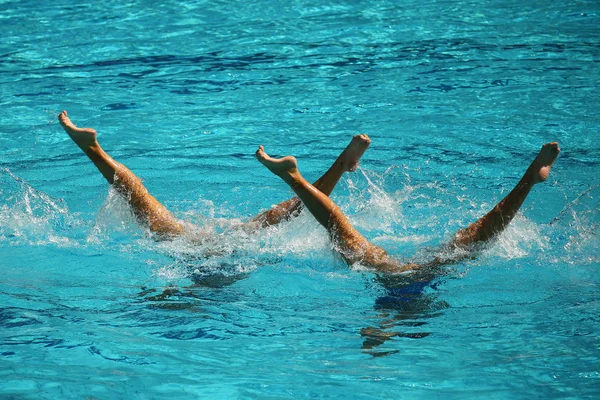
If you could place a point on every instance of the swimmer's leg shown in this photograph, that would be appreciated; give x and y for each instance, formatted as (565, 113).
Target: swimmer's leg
(346, 161)
(145, 207)
(348, 241)
(500, 216)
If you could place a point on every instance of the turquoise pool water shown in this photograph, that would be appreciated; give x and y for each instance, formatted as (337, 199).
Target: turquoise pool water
(457, 97)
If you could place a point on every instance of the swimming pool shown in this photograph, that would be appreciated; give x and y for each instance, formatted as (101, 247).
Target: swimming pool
(457, 98)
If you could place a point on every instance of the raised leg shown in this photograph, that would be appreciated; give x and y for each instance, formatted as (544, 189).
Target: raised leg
(484, 229)
(352, 246)
(356, 249)
(149, 211)
(500, 216)
(346, 161)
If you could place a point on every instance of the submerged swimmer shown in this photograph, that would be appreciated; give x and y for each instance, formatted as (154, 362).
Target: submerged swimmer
(352, 246)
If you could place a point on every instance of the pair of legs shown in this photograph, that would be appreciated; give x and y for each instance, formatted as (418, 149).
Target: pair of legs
(354, 248)
(151, 213)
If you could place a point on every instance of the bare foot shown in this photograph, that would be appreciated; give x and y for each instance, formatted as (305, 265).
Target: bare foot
(83, 137)
(284, 167)
(353, 152)
(540, 167)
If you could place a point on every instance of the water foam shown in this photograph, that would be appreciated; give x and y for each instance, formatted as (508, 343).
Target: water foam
(578, 227)
(30, 216)
(405, 221)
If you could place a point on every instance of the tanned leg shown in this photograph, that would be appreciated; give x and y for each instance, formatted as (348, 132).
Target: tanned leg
(353, 247)
(346, 161)
(500, 216)
(146, 208)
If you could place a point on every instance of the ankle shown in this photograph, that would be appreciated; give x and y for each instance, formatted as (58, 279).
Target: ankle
(93, 149)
